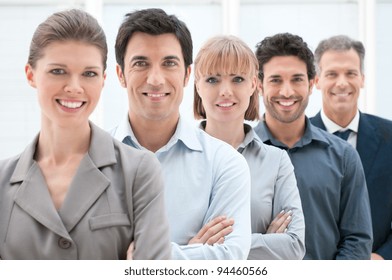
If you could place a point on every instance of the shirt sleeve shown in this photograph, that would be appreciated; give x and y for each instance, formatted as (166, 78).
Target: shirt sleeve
(231, 197)
(386, 249)
(289, 245)
(355, 219)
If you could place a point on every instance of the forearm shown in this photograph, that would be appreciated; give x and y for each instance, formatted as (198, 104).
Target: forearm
(279, 245)
(276, 246)
(200, 251)
(236, 245)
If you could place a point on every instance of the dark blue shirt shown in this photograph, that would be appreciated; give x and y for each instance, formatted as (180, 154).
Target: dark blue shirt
(333, 191)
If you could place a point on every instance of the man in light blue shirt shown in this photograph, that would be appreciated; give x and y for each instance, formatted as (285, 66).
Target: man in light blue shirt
(207, 183)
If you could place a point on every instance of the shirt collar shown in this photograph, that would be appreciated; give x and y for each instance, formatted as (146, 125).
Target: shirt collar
(332, 127)
(250, 136)
(124, 130)
(185, 132)
(311, 134)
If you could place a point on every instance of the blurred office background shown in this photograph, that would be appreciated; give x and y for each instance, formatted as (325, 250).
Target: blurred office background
(252, 20)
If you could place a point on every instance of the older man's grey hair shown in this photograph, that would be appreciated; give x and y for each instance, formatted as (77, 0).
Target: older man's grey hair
(339, 43)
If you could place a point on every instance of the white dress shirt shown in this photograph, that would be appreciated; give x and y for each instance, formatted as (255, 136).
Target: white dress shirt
(332, 127)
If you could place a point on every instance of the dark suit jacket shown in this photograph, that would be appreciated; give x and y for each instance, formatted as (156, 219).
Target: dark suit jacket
(374, 145)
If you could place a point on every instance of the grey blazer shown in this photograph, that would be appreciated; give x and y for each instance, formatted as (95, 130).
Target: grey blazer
(116, 197)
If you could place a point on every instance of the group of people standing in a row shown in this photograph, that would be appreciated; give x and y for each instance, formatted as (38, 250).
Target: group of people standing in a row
(283, 189)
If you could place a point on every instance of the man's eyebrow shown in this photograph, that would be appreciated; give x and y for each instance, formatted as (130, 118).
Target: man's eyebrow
(172, 57)
(274, 76)
(139, 57)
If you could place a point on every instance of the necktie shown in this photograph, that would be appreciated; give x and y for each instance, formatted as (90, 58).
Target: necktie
(343, 134)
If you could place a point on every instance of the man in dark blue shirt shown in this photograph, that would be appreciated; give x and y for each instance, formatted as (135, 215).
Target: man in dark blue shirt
(329, 172)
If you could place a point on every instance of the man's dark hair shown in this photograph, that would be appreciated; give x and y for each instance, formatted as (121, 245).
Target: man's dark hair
(153, 22)
(284, 44)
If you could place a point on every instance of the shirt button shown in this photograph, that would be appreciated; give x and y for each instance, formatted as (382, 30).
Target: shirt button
(64, 243)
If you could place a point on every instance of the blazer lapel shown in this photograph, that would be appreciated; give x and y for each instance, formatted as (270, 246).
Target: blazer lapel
(33, 195)
(317, 121)
(367, 144)
(89, 182)
(86, 187)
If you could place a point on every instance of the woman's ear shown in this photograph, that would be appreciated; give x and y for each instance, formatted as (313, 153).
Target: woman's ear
(197, 88)
(29, 71)
(255, 84)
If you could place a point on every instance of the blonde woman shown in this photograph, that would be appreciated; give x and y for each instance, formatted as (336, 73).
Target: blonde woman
(226, 94)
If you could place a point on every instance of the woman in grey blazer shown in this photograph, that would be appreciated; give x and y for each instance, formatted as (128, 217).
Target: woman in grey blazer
(75, 192)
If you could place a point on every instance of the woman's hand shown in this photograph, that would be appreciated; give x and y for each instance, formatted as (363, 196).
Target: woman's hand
(280, 223)
(130, 251)
(214, 231)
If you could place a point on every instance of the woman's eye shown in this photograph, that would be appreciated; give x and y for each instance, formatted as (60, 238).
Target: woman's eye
(90, 74)
(211, 80)
(238, 79)
(57, 71)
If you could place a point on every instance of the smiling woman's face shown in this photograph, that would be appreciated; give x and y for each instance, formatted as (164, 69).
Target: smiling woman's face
(69, 79)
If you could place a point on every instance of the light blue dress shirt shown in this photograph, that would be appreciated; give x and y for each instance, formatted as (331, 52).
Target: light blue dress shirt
(273, 188)
(204, 178)
(333, 192)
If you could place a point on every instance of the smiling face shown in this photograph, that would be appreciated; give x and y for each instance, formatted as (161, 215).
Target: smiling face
(69, 79)
(226, 97)
(154, 76)
(340, 81)
(285, 88)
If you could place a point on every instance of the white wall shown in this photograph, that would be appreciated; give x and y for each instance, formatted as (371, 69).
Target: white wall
(312, 20)
(19, 111)
(384, 59)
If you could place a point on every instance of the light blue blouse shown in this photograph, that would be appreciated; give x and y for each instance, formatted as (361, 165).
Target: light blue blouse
(273, 188)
